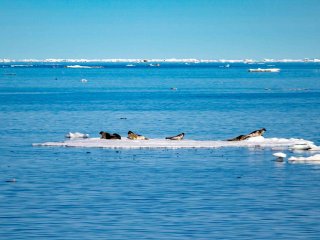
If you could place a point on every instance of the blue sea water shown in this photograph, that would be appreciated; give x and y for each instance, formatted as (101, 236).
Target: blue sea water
(91, 193)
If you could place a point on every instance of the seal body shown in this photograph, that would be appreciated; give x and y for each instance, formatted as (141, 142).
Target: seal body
(255, 133)
(115, 136)
(239, 138)
(106, 135)
(178, 137)
(134, 136)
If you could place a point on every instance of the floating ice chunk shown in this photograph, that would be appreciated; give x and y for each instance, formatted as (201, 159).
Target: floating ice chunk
(300, 146)
(313, 147)
(77, 135)
(311, 158)
(280, 155)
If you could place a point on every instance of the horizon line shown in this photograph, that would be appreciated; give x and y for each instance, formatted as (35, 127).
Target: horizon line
(172, 60)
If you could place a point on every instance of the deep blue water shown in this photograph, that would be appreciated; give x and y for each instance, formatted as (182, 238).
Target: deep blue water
(229, 193)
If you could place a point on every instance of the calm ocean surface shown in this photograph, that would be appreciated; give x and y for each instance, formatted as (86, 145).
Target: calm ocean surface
(226, 193)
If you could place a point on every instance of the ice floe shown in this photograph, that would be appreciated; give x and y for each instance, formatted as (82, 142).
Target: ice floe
(124, 143)
(301, 146)
(280, 155)
(313, 147)
(315, 157)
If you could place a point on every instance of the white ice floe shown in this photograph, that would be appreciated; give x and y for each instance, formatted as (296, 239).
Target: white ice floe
(315, 157)
(257, 142)
(300, 146)
(77, 135)
(305, 146)
(280, 155)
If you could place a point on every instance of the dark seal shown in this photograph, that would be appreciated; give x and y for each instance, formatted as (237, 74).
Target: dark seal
(106, 135)
(255, 133)
(177, 137)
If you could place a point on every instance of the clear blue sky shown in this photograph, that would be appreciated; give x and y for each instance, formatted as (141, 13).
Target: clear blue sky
(207, 29)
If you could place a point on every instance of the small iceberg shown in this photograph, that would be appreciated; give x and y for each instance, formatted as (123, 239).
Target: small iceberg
(76, 135)
(264, 70)
(280, 156)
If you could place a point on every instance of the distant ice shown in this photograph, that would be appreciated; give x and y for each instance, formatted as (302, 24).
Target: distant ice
(124, 143)
(264, 70)
(77, 66)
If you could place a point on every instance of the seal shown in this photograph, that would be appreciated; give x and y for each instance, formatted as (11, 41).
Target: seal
(115, 136)
(177, 137)
(255, 133)
(134, 136)
(106, 135)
